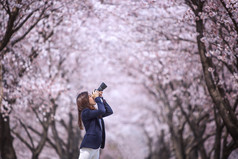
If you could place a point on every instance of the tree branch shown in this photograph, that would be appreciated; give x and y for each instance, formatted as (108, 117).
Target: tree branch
(28, 134)
(39, 134)
(230, 15)
(6, 7)
(22, 140)
(9, 31)
(24, 21)
(30, 28)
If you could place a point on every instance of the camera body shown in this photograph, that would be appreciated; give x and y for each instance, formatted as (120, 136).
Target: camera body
(100, 88)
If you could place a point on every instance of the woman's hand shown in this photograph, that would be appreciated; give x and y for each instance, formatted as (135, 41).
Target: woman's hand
(100, 93)
(95, 94)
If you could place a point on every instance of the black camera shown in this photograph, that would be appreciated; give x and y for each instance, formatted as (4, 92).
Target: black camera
(102, 87)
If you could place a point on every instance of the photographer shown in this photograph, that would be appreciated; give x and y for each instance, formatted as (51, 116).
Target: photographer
(92, 119)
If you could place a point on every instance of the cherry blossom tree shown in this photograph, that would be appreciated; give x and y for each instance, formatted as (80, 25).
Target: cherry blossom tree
(147, 67)
(217, 33)
(170, 67)
(18, 19)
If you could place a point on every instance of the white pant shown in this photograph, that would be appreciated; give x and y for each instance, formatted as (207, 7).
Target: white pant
(89, 153)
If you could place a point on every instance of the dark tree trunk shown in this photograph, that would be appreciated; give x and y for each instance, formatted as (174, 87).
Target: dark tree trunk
(6, 140)
(217, 94)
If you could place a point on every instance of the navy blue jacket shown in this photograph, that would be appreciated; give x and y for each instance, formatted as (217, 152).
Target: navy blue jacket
(95, 134)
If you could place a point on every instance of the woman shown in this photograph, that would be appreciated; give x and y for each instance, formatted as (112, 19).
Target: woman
(92, 118)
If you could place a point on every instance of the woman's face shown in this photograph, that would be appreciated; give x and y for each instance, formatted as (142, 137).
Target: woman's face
(91, 100)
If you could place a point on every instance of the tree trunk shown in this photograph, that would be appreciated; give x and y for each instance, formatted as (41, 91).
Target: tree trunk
(217, 94)
(6, 147)
(178, 147)
(218, 136)
(35, 156)
(177, 140)
(193, 154)
(7, 151)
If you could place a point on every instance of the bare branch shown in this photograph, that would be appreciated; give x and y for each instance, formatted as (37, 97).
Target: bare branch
(6, 7)
(38, 117)
(39, 134)
(25, 20)
(28, 134)
(22, 140)
(30, 28)
(9, 31)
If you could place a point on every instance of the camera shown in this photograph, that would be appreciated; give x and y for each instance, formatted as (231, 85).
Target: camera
(102, 87)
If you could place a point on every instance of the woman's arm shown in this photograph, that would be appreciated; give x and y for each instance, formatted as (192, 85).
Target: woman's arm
(90, 114)
(108, 109)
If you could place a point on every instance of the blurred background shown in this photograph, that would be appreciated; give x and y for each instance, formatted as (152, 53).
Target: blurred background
(171, 68)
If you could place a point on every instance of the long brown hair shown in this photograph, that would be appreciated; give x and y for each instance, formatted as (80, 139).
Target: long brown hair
(82, 101)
